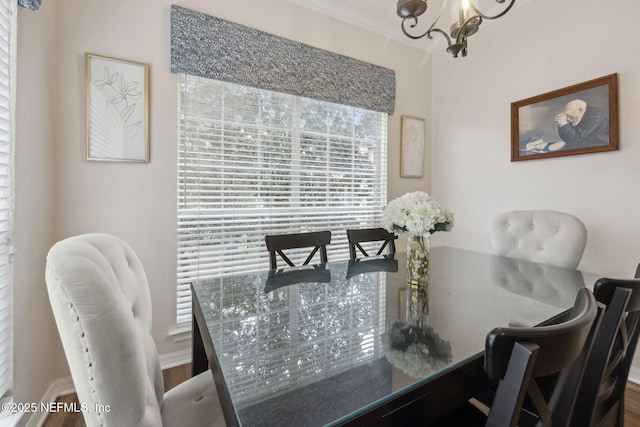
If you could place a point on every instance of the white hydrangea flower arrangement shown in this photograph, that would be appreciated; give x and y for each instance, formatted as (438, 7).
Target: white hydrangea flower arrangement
(414, 346)
(416, 213)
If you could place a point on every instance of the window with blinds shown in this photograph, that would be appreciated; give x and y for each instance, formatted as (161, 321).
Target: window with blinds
(7, 102)
(253, 162)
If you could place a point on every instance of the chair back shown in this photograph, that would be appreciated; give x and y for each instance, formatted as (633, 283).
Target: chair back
(102, 307)
(600, 397)
(518, 357)
(364, 235)
(277, 244)
(546, 237)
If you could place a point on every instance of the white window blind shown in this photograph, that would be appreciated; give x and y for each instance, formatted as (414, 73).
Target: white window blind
(7, 103)
(253, 162)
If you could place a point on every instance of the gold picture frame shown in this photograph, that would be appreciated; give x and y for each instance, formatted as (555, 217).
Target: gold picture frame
(412, 147)
(117, 96)
(578, 119)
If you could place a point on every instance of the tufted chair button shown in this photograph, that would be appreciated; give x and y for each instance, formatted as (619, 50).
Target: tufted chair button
(199, 397)
(541, 247)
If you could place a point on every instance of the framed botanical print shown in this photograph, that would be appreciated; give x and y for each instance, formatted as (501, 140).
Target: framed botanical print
(412, 147)
(117, 96)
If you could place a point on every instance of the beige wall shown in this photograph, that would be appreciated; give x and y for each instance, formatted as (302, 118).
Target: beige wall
(61, 194)
(538, 48)
(544, 46)
(36, 345)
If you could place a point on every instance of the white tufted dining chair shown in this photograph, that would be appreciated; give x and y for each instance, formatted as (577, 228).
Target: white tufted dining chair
(102, 306)
(542, 236)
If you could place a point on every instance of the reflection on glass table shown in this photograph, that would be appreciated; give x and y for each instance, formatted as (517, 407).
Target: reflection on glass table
(318, 353)
(550, 284)
(371, 265)
(307, 274)
(410, 343)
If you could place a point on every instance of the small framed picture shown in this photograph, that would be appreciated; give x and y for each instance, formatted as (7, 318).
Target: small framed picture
(412, 147)
(578, 119)
(117, 95)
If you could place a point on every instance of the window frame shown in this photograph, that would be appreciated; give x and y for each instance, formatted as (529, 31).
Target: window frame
(8, 25)
(201, 99)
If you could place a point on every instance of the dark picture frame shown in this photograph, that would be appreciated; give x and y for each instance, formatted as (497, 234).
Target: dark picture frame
(578, 119)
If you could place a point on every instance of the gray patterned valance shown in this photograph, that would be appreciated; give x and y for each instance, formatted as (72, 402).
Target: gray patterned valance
(206, 46)
(30, 4)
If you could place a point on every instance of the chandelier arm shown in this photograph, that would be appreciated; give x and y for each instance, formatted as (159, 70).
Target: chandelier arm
(444, 34)
(435, 21)
(431, 28)
(426, 33)
(482, 15)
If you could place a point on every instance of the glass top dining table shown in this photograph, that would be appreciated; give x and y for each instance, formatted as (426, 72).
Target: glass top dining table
(350, 343)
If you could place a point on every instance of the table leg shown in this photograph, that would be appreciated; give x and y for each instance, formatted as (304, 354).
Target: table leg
(201, 354)
(199, 362)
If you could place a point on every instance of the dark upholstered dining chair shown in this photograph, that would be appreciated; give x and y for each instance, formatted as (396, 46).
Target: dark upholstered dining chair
(364, 235)
(600, 397)
(278, 243)
(522, 359)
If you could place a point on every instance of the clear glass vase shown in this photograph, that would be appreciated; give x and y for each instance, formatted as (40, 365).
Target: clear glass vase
(418, 260)
(417, 312)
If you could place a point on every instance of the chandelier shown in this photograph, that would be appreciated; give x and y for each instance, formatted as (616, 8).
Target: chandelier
(464, 23)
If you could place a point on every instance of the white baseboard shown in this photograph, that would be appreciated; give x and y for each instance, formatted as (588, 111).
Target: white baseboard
(58, 388)
(63, 386)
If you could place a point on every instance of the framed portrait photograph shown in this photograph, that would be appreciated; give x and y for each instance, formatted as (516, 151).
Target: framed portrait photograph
(412, 147)
(579, 119)
(117, 96)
